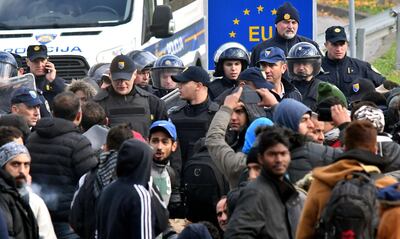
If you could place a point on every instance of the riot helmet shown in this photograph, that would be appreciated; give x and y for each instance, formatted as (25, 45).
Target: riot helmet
(303, 53)
(8, 66)
(230, 51)
(143, 60)
(165, 67)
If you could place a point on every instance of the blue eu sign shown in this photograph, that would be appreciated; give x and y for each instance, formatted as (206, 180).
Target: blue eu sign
(250, 22)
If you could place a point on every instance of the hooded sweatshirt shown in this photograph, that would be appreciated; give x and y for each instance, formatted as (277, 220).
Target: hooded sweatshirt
(289, 112)
(124, 209)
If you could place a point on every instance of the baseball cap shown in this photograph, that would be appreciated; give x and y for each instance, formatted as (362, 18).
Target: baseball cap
(360, 87)
(335, 33)
(255, 75)
(27, 96)
(192, 73)
(272, 55)
(122, 67)
(36, 51)
(166, 125)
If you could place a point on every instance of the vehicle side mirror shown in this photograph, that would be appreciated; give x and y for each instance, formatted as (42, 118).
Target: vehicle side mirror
(163, 24)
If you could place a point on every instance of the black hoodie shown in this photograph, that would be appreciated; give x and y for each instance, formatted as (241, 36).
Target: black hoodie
(125, 208)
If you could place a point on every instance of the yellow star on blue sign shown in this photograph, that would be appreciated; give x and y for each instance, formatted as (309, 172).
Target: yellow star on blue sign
(260, 9)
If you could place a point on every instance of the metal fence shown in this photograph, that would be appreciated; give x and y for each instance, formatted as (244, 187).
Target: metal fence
(372, 29)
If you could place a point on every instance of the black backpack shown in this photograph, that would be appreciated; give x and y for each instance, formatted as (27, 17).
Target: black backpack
(351, 210)
(203, 186)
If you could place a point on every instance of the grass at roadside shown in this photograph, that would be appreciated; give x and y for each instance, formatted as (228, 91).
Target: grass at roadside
(386, 65)
(370, 7)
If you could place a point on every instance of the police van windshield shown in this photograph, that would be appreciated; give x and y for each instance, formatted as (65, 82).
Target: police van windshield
(33, 14)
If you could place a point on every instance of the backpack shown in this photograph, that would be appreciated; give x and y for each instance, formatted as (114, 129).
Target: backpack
(351, 210)
(203, 186)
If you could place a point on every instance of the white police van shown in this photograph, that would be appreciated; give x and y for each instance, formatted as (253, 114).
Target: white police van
(80, 33)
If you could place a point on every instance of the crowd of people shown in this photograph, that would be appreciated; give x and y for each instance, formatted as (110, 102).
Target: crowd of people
(285, 142)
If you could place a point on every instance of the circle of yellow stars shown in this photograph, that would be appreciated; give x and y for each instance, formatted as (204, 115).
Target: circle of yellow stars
(246, 12)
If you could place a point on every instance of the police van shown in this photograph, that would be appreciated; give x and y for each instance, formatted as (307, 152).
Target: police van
(80, 33)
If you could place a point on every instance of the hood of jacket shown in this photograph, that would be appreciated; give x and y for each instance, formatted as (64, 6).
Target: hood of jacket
(347, 163)
(289, 112)
(53, 127)
(134, 162)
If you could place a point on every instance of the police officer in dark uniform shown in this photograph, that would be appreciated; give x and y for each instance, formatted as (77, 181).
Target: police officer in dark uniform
(161, 74)
(144, 61)
(304, 63)
(340, 69)
(44, 71)
(273, 63)
(229, 60)
(286, 23)
(193, 118)
(124, 102)
(45, 107)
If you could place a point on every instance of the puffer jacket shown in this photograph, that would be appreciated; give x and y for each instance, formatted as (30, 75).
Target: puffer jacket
(60, 156)
(309, 156)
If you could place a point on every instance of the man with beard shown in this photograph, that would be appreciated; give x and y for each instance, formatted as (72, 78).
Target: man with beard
(17, 167)
(15, 164)
(286, 23)
(163, 140)
(270, 195)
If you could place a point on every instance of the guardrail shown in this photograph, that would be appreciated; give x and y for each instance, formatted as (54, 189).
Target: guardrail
(370, 29)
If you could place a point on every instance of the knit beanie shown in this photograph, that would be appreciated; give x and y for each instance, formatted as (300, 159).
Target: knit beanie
(326, 90)
(250, 136)
(289, 112)
(286, 12)
(10, 150)
(373, 115)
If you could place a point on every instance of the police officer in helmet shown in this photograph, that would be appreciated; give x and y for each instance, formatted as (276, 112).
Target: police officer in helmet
(8, 66)
(230, 59)
(144, 61)
(8, 69)
(164, 68)
(304, 64)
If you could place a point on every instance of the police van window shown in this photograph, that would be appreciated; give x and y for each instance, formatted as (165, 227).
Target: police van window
(148, 9)
(63, 14)
(178, 4)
